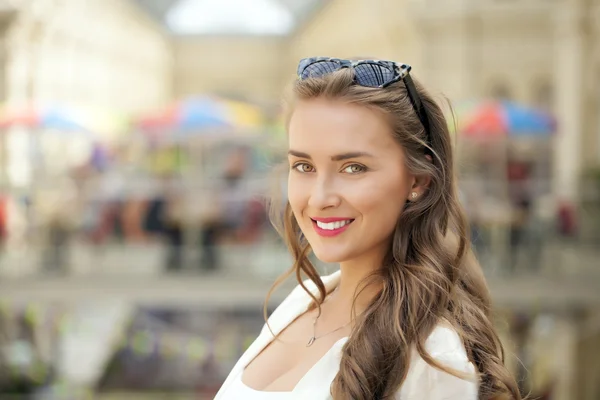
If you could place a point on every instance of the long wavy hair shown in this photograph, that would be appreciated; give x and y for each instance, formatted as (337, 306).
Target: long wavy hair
(429, 274)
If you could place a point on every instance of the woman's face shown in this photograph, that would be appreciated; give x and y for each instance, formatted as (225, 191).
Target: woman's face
(348, 182)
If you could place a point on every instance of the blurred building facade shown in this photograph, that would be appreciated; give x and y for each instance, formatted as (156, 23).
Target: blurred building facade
(88, 53)
(238, 67)
(109, 54)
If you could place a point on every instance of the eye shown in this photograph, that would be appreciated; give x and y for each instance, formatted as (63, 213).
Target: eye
(354, 169)
(303, 167)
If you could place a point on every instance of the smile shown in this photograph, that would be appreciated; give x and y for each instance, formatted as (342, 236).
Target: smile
(331, 226)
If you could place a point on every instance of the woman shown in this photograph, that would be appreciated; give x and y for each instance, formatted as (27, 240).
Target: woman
(371, 186)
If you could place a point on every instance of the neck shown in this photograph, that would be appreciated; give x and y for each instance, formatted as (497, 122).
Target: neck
(352, 274)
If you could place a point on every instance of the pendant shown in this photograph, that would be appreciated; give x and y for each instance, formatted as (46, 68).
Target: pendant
(311, 341)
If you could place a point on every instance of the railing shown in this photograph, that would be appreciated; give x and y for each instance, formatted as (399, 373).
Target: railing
(134, 234)
(549, 256)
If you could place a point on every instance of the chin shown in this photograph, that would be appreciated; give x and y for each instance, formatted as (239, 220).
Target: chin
(331, 256)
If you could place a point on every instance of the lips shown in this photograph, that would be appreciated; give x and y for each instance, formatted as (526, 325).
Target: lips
(328, 227)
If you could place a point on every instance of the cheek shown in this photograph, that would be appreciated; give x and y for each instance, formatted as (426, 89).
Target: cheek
(296, 196)
(382, 203)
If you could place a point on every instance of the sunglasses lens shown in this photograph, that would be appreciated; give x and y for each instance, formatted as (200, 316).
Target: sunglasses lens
(319, 68)
(373, 75)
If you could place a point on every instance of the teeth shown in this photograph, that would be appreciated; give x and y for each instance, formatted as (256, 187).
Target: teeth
(330, 226)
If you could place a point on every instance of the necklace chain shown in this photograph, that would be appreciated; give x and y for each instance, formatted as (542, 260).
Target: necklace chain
(315, 337)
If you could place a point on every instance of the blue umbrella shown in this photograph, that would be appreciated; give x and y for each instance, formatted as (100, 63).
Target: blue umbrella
(202, 113)
(501, 118)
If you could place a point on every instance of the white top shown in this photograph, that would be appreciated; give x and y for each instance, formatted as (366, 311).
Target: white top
(423, 381)
(239, 390)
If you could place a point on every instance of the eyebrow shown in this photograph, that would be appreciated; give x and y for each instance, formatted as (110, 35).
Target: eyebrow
(337, 157)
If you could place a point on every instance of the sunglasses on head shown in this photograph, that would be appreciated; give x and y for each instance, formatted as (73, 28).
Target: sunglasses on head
(368, 73)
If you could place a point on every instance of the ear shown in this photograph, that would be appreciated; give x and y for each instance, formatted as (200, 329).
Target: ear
(420, 183)
(419, 187)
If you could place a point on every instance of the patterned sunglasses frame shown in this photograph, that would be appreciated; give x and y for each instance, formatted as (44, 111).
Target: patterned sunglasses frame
(399, 72)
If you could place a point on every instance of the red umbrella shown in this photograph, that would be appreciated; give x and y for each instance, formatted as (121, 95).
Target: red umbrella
(504, 118)
(160, 119)
(486, 120)
(41, 117)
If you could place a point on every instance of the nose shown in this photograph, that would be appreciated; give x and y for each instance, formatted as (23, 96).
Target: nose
(323, 195)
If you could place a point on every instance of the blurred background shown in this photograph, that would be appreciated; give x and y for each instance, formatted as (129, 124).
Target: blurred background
(138, 143)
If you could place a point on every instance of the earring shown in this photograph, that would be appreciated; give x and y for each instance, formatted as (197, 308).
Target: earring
(413, 195)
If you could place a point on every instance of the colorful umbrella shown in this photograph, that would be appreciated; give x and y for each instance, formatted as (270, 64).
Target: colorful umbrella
(192, 114)
(201, 116)
(40, 117)
(244, 115)
(503, 118)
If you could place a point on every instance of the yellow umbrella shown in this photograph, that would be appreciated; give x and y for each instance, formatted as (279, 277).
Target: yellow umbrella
(245, 115)
(107, 124)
